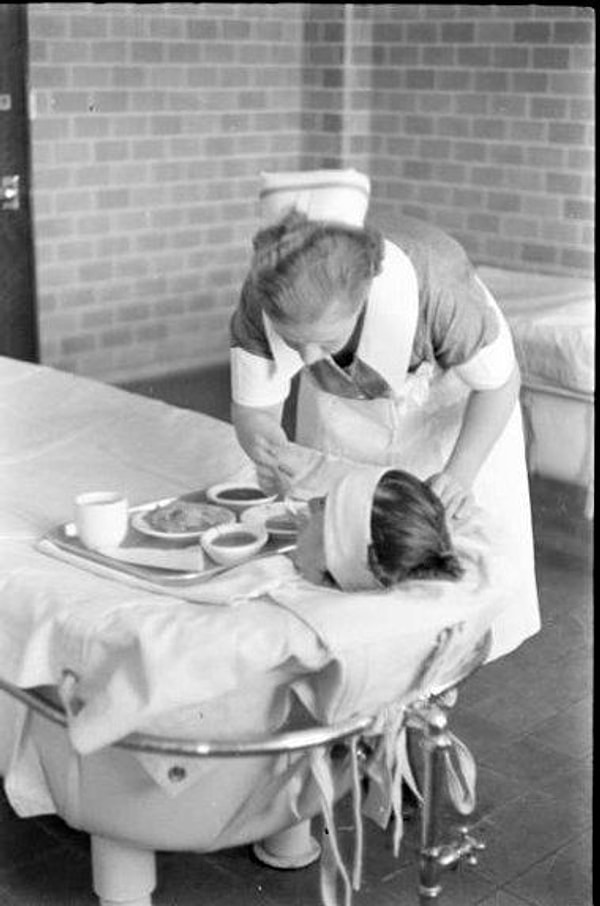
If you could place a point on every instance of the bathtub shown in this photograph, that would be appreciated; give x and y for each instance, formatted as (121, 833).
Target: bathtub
(265, 785)
(129, 817)
(149, 657)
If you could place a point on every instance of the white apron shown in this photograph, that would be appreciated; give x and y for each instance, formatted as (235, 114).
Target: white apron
(416, 430)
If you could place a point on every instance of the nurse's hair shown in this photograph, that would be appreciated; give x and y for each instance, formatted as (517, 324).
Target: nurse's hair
(410, 537)
(301, 268)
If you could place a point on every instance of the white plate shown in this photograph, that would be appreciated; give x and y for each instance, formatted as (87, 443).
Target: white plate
(260, 515)
(230, 489)
(140, 524)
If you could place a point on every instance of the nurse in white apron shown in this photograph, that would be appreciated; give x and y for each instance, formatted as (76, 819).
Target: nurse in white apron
(418, 372)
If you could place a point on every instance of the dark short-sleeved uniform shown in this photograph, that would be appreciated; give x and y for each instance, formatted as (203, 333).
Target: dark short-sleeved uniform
(457, 323)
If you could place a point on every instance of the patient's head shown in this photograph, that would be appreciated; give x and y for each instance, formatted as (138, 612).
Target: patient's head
(410, 538)
(377, 527)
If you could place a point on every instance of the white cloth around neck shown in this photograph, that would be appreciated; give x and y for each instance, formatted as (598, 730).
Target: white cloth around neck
(347, 528)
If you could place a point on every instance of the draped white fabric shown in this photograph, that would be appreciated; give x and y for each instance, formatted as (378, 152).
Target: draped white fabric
(146, 659)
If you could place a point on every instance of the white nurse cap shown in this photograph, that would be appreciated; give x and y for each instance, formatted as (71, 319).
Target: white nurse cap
(341, 196)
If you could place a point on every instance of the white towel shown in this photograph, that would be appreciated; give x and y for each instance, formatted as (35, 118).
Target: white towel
(229, 588)
(183, 559)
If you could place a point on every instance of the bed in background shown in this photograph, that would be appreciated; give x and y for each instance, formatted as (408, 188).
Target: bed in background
(553, 324)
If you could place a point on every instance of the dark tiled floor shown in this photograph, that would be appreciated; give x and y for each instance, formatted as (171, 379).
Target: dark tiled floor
(527, 719)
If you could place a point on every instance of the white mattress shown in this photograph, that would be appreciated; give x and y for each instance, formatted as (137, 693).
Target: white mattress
(553, 324)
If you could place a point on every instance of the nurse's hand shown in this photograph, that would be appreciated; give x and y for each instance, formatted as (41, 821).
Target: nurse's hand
(456, 499)
(259, 431)
(271, 479)
(268, 480)
(278, 465)
(293, 459)
(302, 471)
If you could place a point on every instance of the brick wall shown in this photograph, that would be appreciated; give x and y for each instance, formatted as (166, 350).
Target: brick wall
(482, 121)
(151, 123)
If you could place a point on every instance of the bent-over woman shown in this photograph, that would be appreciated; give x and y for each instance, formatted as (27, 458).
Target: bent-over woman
(405, 361)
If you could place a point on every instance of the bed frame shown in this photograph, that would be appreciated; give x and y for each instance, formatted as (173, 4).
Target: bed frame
(558, 419)
(550, 413)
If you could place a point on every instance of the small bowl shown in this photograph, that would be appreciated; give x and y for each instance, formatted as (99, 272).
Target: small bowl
(233, 543)
(238, 496)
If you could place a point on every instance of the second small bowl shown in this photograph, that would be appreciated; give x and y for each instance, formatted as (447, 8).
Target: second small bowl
(230, 544)
(238, 497)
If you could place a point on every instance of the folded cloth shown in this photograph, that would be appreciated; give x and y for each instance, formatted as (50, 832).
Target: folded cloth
(233, 585)
(182, 559)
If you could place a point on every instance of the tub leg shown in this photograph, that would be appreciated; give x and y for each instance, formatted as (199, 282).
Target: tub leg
(435, 743)
(122, 874)
(293, 847)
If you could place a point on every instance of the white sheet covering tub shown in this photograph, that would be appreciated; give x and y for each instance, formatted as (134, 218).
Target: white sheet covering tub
(217, 664)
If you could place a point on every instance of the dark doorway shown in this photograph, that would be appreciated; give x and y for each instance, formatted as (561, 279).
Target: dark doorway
(18, 322)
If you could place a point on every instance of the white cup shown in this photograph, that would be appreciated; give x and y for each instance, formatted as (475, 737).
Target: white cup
(101, 519)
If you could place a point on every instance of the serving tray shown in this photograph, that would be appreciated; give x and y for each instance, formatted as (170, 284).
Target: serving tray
(64, 537)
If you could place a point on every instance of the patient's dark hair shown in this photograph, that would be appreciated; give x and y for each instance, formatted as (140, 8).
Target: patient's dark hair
(301, 266)
(410, 538)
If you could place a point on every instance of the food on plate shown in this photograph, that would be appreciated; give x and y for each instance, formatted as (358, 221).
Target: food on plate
(181, 516)
(284, 524)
